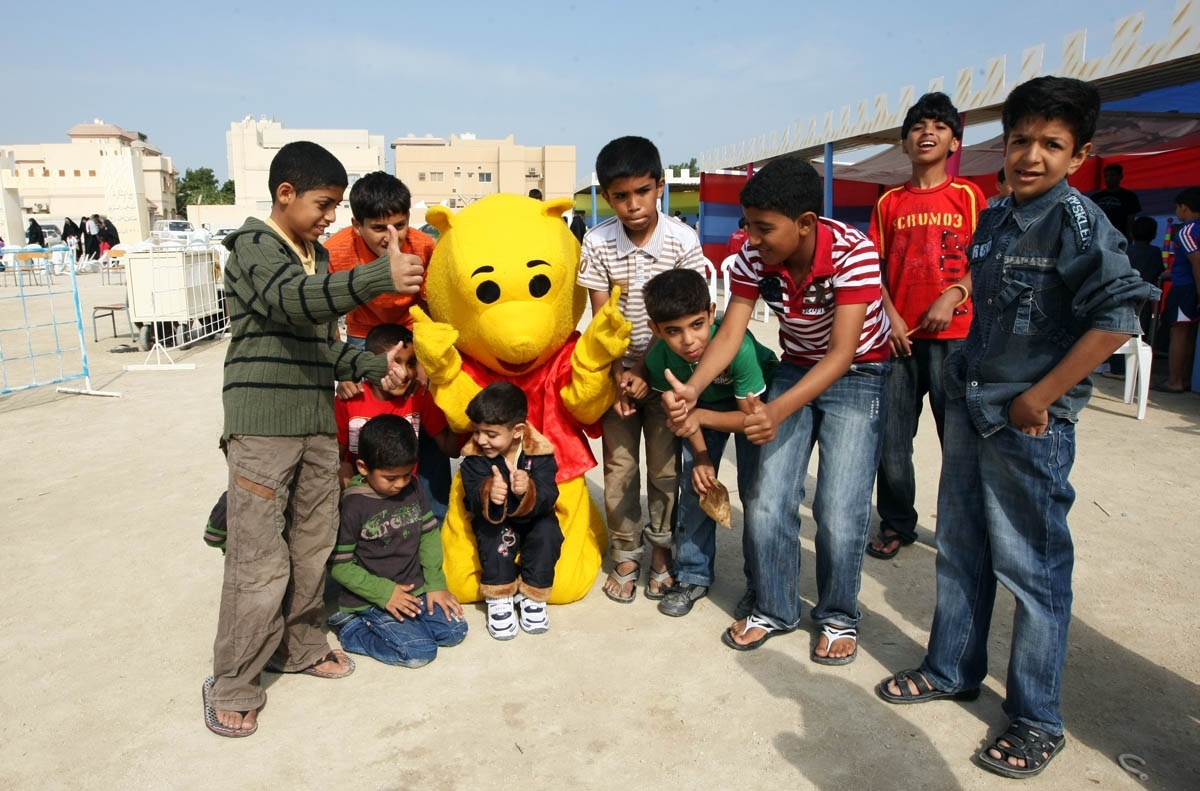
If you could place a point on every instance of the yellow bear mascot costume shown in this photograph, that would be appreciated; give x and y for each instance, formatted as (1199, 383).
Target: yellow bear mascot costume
(501, 290)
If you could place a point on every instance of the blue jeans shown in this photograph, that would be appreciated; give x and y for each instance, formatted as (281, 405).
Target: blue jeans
(1002, 516)
(412, 642)
(847, 422)
(695, 531)
(909, 379)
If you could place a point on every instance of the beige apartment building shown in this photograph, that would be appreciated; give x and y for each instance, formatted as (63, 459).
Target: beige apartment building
(457, 171)
(104, 169)
(251, 144)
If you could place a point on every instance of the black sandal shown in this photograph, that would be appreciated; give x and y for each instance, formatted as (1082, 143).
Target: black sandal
(887, 537)
(924, 692)
(1032, 745)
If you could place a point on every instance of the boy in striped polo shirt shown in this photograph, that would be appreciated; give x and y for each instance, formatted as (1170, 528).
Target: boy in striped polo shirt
(628, 250)
(280, 436)
(821, 278)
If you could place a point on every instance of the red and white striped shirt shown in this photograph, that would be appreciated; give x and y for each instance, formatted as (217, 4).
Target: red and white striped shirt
(845, 271)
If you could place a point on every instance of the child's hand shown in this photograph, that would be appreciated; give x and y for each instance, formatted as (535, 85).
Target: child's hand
(940, 313)
(403, 604)
(447, 601)
(408, 272)
(624, 405)
(520, 482)
(686, 427)
(760, 423)
(499, 495)
(347, 390)
(1028, 418)
(637, 386)
(704, 475)
(345, 473)
(901, 345)
(679, 399)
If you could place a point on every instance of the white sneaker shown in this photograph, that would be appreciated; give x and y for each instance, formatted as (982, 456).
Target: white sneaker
(534, 619)
(502, 619)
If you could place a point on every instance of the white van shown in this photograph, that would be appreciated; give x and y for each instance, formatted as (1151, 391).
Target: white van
(172, 231)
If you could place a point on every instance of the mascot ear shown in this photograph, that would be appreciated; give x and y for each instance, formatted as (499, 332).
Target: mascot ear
(558, 207)
(440, 217)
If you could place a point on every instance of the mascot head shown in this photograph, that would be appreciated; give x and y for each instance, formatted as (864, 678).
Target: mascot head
(503, 274)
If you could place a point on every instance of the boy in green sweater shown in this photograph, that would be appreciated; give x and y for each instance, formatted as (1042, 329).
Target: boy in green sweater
(279, 435)
(394, 605)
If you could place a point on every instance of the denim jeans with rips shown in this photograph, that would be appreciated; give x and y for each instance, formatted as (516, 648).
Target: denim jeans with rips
(1002, 517)
(846, 421)
(695, 531)
(413, 642)
(909, 379)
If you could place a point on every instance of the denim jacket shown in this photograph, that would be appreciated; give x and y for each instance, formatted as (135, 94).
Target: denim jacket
(1044, 273)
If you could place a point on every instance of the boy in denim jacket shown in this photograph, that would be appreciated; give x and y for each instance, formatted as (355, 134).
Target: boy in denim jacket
(1054, 296)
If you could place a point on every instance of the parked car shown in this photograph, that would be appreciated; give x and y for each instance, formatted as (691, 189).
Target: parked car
(172, 231)
(220, 234)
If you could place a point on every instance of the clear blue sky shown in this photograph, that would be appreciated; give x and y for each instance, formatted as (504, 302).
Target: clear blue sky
(692, 76)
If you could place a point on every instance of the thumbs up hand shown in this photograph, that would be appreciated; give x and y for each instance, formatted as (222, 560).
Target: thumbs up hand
(499, 494)
(760, 423)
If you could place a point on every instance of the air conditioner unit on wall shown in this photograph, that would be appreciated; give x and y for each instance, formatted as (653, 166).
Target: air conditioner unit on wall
(41, 208)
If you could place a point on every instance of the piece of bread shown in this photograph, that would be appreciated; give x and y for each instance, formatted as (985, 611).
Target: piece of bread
(716, 504)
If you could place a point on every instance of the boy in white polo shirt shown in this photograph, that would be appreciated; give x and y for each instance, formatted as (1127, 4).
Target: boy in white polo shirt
(628, 250)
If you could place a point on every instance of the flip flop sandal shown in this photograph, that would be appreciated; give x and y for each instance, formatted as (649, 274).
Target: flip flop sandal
(311, 670)
(887, 538)
(831, 634)
(753, 621)
(660, 577)
(210, 716)
(622, 580)
(924, 691)
(1032, 745)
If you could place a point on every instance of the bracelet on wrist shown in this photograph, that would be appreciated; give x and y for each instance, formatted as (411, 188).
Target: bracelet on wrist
(966, 294)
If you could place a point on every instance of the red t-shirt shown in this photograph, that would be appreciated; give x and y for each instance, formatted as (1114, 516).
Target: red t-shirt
(922, 236)
(347, 250)
(351, 414)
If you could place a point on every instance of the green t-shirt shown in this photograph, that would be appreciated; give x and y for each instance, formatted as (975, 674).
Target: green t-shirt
(749, 372)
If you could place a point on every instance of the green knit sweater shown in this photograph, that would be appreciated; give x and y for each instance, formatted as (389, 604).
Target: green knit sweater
(282, 360)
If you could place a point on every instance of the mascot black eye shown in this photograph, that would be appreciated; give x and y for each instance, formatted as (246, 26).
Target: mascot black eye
(539, 286)
(488, 292)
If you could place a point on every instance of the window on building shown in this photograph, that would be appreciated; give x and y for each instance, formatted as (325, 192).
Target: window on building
(485, 177)
(62, 173)
(77, 174)
(437, 175)
(31, 171)
(421, 176)
(91, 173)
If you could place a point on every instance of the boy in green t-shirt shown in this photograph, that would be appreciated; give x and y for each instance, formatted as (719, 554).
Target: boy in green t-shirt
(681, 317)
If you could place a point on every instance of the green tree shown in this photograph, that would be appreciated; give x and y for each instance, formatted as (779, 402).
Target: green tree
(200, 186)
(690, 165)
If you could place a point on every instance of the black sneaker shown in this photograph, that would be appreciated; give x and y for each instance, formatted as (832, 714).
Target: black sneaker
(680, 597)
(745, 605)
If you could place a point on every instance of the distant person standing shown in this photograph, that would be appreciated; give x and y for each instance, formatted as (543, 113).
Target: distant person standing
(578, 226)
(1182, 310)
(71, 237)
(91, 236)
(738, 238)
(34, 234)
(1002, 189)
(1118, 204)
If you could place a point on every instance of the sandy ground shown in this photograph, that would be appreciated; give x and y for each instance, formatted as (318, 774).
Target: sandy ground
(113, 604)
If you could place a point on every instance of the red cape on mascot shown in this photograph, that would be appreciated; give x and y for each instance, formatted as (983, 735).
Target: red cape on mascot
(504, 305)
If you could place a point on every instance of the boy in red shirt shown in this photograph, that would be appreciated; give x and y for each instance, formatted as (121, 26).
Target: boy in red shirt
(377, 200)
(922, 230)
(409, 400)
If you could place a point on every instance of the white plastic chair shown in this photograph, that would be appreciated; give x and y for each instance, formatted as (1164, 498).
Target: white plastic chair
(726, 265)
(1138, 358)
